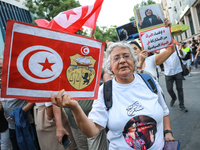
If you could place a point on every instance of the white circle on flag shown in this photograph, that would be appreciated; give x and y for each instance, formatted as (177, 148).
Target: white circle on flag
(85, 50)
(37, 55)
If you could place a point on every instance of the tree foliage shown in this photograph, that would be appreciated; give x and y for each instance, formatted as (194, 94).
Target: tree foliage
(104, 33)
(143, 3)
(48, 9)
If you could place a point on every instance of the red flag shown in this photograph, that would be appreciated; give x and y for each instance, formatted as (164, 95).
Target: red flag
(73, 19)
(39, 62)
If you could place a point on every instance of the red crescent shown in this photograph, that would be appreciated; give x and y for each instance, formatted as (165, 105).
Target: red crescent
(26, 67)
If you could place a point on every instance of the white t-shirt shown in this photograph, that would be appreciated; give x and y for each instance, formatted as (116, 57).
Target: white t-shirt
(133, 101)
(150, 65)
(173, 65)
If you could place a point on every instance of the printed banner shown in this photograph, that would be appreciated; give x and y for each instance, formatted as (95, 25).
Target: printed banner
(156, 39)
(40, 61)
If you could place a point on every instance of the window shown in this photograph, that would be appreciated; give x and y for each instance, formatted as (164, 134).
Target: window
(198, 12)
(185, 31)
(191, 24)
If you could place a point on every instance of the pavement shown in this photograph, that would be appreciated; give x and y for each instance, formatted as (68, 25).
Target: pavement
(186, 125)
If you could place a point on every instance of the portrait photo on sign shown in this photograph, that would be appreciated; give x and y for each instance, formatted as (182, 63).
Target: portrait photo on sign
(149, 17)
(127, 32)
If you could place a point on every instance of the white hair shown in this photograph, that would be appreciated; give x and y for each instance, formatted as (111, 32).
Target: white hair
(107, 62)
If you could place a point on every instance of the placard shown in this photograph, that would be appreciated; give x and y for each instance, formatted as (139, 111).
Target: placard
(127, 32)
(38, 62)
(149, 17)
(156, 39)
(152, 31)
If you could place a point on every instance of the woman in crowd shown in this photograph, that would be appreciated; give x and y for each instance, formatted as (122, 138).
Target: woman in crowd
(129, 91)
(149, 63)
(150, 19)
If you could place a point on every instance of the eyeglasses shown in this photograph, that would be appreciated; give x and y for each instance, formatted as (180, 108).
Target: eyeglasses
(125, 57)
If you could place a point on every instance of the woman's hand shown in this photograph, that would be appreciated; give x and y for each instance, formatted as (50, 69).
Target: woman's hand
(158, 17)
(167, 22)
(140, 22)
(9, 118)
(63, 100)
(142, 56)
(60, 132)
(169, 137)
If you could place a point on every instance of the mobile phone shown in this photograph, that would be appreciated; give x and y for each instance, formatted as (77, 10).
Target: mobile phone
(66, 141)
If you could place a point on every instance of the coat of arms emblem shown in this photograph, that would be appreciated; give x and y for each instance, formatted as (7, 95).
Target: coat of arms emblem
(81, 71)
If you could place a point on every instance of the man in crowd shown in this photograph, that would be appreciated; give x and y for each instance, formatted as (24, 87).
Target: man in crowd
(187, 58)
(173, 72)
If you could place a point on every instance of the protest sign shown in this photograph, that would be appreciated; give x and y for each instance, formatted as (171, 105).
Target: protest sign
(149, 17)
(152, 31)
(156, 39)
(40, 61)
(127, 32)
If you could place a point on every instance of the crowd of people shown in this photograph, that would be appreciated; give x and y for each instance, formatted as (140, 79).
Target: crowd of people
(138, 117)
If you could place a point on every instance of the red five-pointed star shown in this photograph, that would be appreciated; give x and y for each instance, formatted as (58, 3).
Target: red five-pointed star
(70, 12)
(46, 65)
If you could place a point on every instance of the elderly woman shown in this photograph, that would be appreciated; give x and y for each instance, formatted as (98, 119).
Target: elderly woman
(131, 98)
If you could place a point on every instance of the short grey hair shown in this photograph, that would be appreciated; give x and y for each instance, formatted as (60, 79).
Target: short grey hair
(107, 62)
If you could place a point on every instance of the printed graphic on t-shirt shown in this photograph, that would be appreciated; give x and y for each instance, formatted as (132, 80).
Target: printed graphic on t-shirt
(132, 109)
(139, 132)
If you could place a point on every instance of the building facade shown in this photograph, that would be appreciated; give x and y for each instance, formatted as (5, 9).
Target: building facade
(184, 12)
(14, 10)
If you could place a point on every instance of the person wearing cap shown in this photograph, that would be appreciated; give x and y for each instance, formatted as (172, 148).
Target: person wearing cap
(187, 59)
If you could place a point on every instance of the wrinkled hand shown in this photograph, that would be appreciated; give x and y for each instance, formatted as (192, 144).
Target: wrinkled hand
(9, 118)
(60, 132)
(63, 100)
(167, 22)
(169, 137)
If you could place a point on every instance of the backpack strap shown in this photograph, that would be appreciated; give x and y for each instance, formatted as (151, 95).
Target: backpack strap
(107, 94)
(149, 82)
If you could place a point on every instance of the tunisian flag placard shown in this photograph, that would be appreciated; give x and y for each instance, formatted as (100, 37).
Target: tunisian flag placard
(39, 61)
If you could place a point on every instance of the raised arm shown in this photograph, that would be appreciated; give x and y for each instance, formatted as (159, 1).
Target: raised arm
(162, 57)
(60, 130)
(88, 127)
(28, 106)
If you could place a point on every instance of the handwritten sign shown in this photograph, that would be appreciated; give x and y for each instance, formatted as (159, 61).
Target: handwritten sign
(40, 61)
(156, 39)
